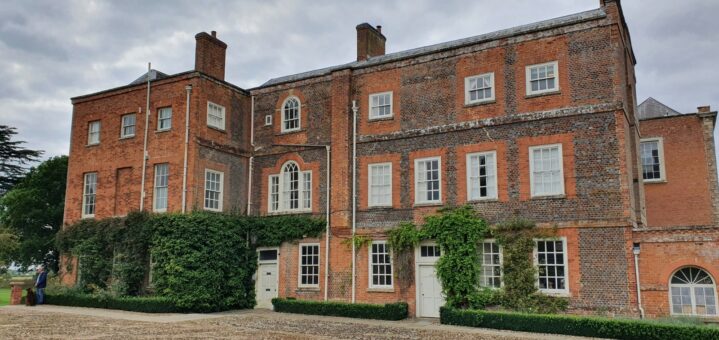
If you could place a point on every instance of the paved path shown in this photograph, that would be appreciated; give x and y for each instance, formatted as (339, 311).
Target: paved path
(56, 322)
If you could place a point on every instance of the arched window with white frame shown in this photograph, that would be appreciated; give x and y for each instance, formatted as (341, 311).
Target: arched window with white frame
(290, 190)
(692, 292)
(291, 111)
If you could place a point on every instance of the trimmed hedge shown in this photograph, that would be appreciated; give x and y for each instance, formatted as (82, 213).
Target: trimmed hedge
(389, 311)
(145, 304)
(575, 325)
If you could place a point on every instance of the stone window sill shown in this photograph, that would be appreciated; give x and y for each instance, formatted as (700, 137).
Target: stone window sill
(217, 129)
(92, 145)
(428, 204)
(661, 181)
(380, 290)
(164, 130)
(549, 93)
(483, 200)
(381, 119)
(127, 137)
(308, 289)
(284, 133)
(549, 197)
(487, 102)
(379, 207)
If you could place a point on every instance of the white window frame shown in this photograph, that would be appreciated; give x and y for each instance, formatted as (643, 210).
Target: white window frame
(222, 191)
(268, 120)
(160, 118)
(467, 96)
(561, 170)
(299, 115)
(85, 195)
(123, 126)
(299, 265)
(469, 176)
(528, 75)
(90, 133)
(660, 148)
(417, 197)
(501, 263)
(371, 107)
(156, 187)
(371, 264)
(370, 169)
(281, 208)
(222, 117)
(693, 297)
(535, 252)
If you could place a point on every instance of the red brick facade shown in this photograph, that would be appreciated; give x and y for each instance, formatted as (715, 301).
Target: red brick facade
(599, 215)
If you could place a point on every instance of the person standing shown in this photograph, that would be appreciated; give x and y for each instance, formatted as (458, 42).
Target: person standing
(40, 285)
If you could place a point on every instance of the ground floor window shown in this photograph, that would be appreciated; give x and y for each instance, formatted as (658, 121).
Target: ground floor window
(692, 292)
(309, 265)
(490, 275)
(380, 265)
(552, 266)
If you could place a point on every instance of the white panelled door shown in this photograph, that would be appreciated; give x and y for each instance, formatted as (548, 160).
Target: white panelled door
(430, 292)
(266, 280)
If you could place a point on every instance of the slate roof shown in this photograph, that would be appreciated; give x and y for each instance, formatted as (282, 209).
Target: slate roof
(652, 108)
(154, 75)
(505, 33)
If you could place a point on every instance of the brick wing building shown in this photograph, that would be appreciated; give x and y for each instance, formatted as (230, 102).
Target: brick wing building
(537, 121)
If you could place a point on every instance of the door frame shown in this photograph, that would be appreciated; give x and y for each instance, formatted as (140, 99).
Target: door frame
(276, 262)
(420, 261)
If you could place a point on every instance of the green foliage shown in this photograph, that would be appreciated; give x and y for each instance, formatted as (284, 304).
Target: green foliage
(359, 241)
(458, 232)
(9, 245)
(33, 209)
(389, 311)
(402, 240)
(486, 297)
(145, 304)
(203, 261)
(12, 158)
(574, 325)
(519, 274)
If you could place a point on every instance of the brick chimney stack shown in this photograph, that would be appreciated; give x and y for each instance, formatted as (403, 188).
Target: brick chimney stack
(210, 55)
(370, 41)
(704, 109)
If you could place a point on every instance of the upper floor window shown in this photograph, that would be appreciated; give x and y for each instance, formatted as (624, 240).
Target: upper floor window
(291, 111)
(309, 265)
(491, 268)
(215, 115)
(88, 194)
(380, 105)
(542, 78)
(93, 133)
(128, 126)
(552, 265)
(693, 292)
(380, 184)
(164, 119)
(291, 190)
(546, 170)
(162, 174)
(482, 175)
(213, 190)
(479, 89)
(380, 265)
(427, 177)
(652, 151)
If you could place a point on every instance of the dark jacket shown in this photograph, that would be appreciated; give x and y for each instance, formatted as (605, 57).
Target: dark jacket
(41, 280)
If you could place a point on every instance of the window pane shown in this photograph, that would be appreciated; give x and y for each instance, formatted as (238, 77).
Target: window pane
(490, 275)
(551, 267)
(161, 184)
(381, 265)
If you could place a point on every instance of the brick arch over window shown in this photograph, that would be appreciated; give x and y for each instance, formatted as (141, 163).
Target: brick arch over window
(285, 162)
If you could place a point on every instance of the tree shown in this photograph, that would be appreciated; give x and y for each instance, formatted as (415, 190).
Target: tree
(13, 157)
(33, 209)
(9, 244)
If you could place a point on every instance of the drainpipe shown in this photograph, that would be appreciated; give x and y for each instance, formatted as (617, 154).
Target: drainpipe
(327, 226)
(636, 252)
(144, 147)
(252, 158)
(188, 88)
(354, 198)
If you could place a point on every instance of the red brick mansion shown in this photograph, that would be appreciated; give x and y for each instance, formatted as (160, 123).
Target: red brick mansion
(539, 121)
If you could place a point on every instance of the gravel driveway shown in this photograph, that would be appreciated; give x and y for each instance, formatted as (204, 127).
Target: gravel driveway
(55, 322)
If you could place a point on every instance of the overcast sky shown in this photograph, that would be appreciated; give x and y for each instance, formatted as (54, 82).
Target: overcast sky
(53, 50)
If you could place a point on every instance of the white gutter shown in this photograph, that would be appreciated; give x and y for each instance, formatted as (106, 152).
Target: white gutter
(327, 227)
(188, 88)
(354, 197)
(144, 147)
(636, 274)
(252, 158)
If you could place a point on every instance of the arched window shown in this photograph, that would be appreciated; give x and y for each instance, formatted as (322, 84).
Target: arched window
(291, 114)
(291, 190)
(692, 292)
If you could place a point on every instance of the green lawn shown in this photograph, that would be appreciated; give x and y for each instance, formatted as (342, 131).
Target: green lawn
(4, 296)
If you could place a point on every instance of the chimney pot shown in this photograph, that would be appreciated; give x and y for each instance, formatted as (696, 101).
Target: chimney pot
(379, 28)
(214, 34)
(704, 109)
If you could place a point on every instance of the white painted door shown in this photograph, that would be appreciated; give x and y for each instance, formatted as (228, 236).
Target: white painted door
(430, 292)
(266, 284)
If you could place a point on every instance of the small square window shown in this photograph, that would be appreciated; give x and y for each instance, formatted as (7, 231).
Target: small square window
(268, 120)
(215, 116)
(479, 89)
(128, 126)
(164, 119)
(380, 105)
(93, 133)
(542, 78)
